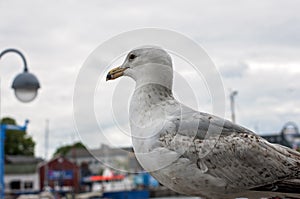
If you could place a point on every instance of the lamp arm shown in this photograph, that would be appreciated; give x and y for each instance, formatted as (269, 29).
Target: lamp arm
(19, 53)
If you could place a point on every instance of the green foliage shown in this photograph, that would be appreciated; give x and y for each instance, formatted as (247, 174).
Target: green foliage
(17, 142)
(63, 150)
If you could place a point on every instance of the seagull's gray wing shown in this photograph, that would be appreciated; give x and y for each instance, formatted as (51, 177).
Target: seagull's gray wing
(241, 158)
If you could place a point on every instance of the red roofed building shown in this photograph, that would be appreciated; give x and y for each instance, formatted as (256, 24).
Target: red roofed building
(62, 175)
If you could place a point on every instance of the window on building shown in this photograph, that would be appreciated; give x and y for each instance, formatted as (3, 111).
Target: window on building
(28, 185)
(15, 185)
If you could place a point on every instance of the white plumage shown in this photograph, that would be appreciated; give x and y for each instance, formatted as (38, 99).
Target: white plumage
(171, 140)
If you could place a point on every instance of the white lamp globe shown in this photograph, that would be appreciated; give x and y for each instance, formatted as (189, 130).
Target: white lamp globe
(26, 86)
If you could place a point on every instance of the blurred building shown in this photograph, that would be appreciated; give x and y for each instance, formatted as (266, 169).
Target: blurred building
(21, 175)
(99, 159)
(62, 175)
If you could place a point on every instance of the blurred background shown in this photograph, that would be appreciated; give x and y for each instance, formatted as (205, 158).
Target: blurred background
(254, 45)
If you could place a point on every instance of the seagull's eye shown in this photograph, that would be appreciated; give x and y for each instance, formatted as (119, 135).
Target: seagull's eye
(132, 57)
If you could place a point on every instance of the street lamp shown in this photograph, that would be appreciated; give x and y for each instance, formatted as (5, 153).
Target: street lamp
(25, 84)
(232, 105)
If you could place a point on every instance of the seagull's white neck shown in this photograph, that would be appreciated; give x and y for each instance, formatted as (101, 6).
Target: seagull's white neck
(153, 90)
(153, 74)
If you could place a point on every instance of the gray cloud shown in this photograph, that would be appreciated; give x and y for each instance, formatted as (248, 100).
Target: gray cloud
(255, 45)
(233, 70)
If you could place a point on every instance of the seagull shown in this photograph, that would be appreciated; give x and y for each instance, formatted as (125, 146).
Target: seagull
(196, 153)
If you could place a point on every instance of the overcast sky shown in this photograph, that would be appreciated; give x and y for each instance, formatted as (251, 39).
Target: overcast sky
(254, 44)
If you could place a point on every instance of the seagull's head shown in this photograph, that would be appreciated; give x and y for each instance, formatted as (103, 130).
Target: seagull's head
(149, 64)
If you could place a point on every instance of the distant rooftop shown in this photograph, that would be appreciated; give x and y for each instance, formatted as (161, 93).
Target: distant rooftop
(103, 151)
(21, 164)
(18, 159)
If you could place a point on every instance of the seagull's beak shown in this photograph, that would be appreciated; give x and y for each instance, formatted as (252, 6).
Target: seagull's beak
(115, 73)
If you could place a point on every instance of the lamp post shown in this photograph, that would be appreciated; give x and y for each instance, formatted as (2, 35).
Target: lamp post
(25, 84)
(26, 87)
(232, 105)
